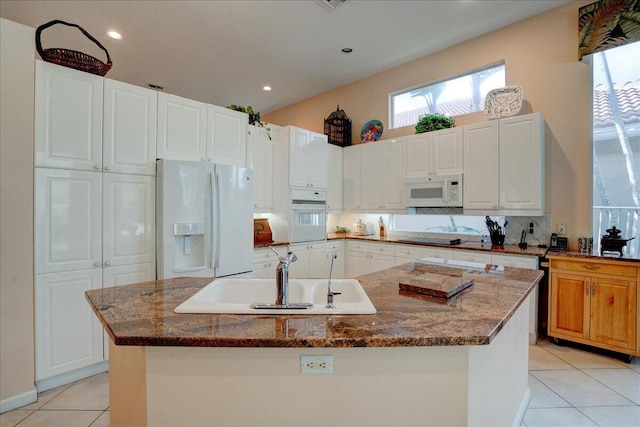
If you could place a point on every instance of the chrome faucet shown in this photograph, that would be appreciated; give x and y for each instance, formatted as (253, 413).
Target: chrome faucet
(282, 277)
(329, 293)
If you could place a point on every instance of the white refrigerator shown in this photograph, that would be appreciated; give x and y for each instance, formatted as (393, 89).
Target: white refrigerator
(204, 218)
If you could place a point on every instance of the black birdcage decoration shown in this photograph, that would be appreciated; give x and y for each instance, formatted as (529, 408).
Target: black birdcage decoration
(337, 127)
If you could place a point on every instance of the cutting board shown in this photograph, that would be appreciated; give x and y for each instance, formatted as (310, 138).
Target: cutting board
(437, 285)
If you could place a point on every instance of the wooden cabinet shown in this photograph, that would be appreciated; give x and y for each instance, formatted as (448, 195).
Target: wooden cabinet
(129, 122)
(434, 153)
(182, 128)
(68, 118)
(334, 178)
(504, 166)
(595, 302)
(260, 159)
(226, 136)
(307, 158)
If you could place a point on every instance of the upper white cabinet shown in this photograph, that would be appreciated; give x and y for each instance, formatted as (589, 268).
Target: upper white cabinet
(373, 175)
(307, 158)
(130, 116)
(393, 172)
(351, 177)
(504, 166)
(226, 136)
(435, 153)
(68, 118)
(334, 178)
(182, 127)
(260, 159)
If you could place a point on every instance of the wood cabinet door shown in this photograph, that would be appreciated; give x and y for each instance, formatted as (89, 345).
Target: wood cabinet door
(298, 157)
(317, 160)
(260, 159)
(68, 118)
(569, 300)
(613, 312)
(130, 120)
(357, 264)
(418, 161)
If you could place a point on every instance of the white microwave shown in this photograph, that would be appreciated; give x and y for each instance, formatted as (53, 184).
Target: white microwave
(433, 191)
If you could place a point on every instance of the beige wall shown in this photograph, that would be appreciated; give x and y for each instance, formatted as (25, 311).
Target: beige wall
(16, 213)
(541, 55)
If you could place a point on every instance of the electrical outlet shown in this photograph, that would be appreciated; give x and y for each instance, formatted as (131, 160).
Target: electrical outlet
(562, 229)
(316, 364)
(531, 227)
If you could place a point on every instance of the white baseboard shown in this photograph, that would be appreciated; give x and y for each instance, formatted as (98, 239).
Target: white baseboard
(69, 377)
(522, 409)
(533, 338)
(18, 401)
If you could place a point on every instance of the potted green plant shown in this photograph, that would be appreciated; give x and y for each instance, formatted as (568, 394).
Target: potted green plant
(254, 117)
(431, 122)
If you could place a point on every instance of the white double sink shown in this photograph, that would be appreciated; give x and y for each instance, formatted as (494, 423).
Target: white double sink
(235, 296)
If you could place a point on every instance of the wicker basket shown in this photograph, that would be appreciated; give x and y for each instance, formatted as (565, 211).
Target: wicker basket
(71, 58)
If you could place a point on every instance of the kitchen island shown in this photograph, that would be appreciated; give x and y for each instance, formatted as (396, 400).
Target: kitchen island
(417, 361)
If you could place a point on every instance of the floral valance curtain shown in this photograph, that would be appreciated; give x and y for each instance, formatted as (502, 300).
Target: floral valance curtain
(608, 23)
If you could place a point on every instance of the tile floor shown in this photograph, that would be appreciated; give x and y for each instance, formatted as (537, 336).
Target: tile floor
(569, 387)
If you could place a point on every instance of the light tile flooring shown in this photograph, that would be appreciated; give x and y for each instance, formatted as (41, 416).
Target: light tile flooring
(569, 387)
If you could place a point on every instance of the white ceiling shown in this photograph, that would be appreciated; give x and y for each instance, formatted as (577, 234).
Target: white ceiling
(224, 52)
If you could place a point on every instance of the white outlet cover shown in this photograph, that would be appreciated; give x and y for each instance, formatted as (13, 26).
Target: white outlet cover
(316, 364)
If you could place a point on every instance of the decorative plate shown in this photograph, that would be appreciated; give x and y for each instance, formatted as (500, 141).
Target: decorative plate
(371, 131)
(503, 102)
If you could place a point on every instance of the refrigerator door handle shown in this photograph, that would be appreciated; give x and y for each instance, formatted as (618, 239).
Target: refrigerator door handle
(215, 220)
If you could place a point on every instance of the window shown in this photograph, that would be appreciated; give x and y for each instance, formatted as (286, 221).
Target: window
(616, 144)
(452, 97)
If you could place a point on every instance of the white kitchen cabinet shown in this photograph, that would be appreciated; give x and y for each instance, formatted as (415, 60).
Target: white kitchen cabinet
(435, 252)
(182, 127)
(504, 166)
(68, 220)
(435, 153)
(260, 159)
(393, 172)
(310, 263)
(368, 257)
(371, 176)
(128, 219)
(472, 256)
(351, 177)
(407, 253)
(68, 334)
(129, 123)
(265, 262)
(307, 158)
(226, 136)
(334, 178)
(335, 247)
(68, 118)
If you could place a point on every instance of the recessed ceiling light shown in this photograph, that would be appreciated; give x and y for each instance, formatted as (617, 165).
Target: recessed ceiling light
(347, 50)
(267, 88)
(114, 35)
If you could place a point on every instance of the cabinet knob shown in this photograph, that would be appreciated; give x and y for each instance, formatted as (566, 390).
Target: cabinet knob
(107, 168)
(96, 167)
(107, 263)
(593, 289)
(97, 264)
(587, 288)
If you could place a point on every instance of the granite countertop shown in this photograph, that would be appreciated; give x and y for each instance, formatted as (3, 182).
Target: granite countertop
(593, 257)
(142, 314)
(471, 246)
(268, 244)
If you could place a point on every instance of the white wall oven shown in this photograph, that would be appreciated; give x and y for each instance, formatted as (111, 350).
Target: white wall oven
(308, 215)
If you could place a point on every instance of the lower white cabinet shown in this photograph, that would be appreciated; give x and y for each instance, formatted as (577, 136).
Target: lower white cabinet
(472, 256)
(68, 333)
(314, 260)
(265, 262)
(368, 257)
